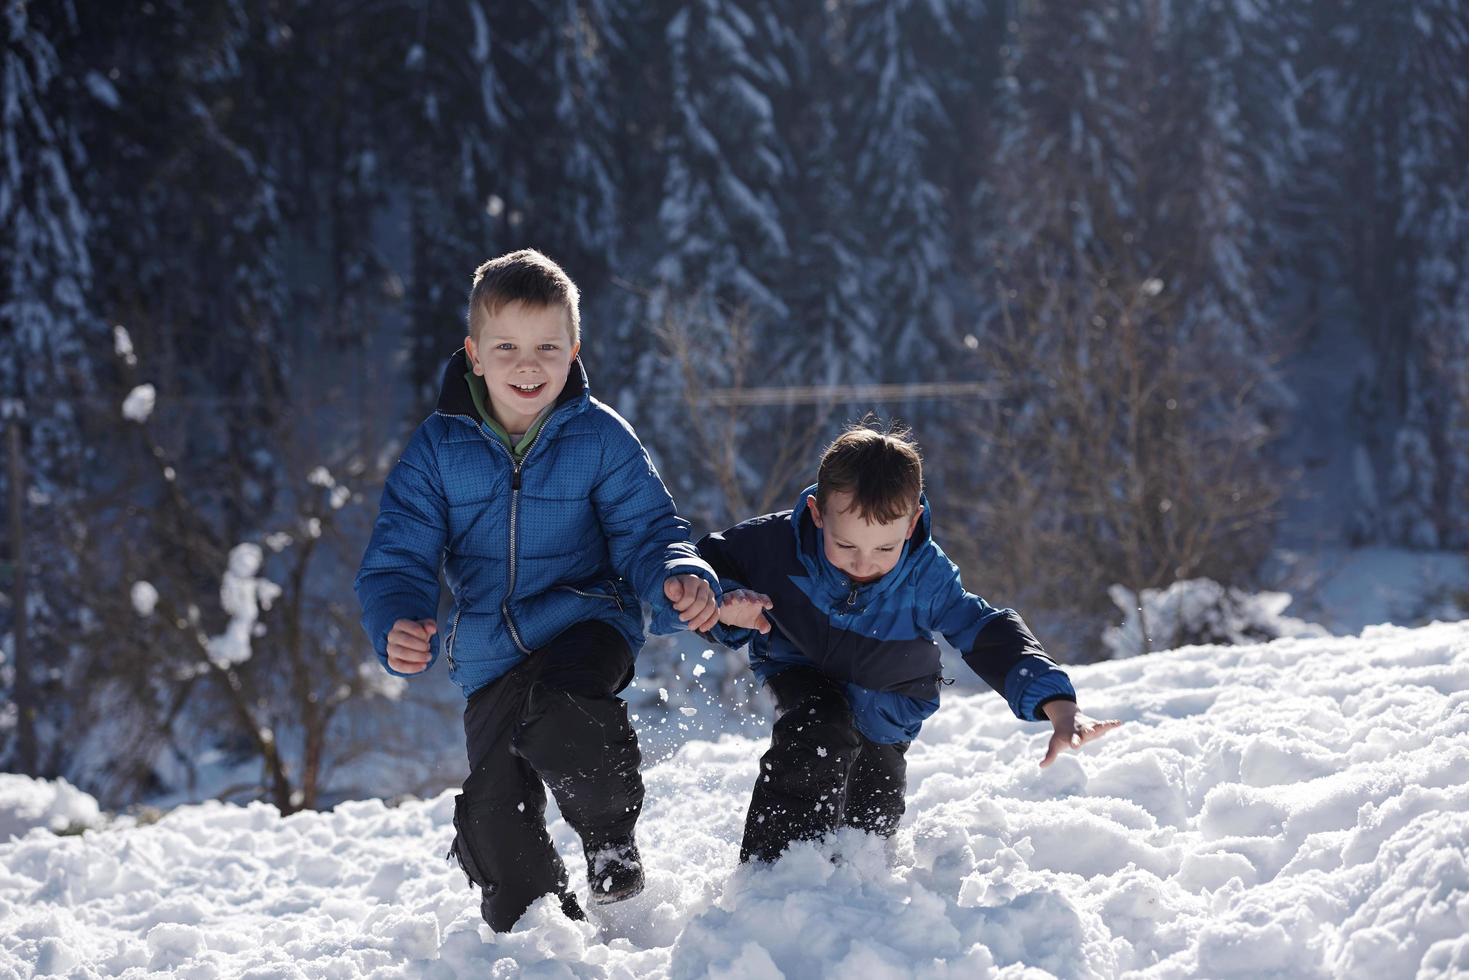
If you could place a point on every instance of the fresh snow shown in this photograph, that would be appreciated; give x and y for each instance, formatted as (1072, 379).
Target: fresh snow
(1347, 589)
(1298, 808)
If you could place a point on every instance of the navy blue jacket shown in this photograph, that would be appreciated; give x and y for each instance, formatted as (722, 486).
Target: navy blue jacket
(581, 529)
(877, 637)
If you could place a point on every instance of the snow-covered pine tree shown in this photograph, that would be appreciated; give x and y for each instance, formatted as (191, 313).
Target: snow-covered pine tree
(1443, 295)
(1432, 508)
(562, 174)
(726, 164)
(725, 249)
(823, 282)
(1217, 163)
(521, 121)
(915, 94)
(898, 59)
(49, 337)
(455, 125)
(1128, 324)
(1395, 103)
(562, 133)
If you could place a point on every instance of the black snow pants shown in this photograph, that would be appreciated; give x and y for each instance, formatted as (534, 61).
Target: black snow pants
(553, 721)
(820, 773)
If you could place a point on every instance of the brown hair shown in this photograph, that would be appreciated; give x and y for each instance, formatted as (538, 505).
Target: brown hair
(526, 277)
(879, 467)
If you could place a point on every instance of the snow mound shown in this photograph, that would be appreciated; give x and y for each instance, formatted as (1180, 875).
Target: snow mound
(27, 803)
(1292, 809)
(1198, 611)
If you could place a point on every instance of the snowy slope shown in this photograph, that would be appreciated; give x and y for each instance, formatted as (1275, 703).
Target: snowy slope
(1297, 809)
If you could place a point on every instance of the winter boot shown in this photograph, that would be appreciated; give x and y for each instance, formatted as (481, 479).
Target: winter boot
(570, 907)
(614, 871)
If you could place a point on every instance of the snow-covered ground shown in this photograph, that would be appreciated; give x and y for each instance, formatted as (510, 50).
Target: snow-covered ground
(1347, 589)
(1293, 809)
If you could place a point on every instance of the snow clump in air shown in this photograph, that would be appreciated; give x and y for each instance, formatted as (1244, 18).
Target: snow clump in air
(122, 345)
(145, 598)
(138, 405)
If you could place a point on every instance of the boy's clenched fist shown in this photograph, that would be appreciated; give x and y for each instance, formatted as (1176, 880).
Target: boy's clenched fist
(408, 646)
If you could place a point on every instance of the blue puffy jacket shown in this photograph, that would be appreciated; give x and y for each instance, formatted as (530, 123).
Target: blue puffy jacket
(581, 529)
(876, 637)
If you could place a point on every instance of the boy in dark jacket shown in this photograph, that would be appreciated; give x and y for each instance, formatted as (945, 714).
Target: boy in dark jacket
(550, 524)
(837, 600)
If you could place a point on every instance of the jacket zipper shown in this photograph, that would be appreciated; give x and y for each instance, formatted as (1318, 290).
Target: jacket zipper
(515, 467)
(614, 597)
(453, 632)
(514, 513)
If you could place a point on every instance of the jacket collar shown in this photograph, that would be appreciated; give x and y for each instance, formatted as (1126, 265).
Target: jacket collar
(455, 399)
(810, 546)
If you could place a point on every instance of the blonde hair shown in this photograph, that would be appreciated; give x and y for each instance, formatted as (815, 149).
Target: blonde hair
(528, 277)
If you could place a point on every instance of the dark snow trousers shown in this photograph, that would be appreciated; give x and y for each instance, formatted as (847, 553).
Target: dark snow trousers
(553, 721)
(820, 773)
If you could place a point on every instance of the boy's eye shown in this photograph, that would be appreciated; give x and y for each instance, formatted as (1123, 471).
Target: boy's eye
(847, 547)
(505, 346)
(548, 347)
(888, 548)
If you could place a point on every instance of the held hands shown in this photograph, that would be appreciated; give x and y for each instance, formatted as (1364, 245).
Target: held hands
(693, 600)
(1072, 729)
(408, 647)
(745, 608)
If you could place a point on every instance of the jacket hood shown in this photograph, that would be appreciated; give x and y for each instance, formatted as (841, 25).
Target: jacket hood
(455, 399)
(811, 548)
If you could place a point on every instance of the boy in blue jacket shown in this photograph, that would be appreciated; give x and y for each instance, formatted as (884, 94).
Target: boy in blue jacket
(837, 600)
(551, 525)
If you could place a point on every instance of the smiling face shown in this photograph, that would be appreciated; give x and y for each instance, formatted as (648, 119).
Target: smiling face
(860, 549)
(523, 353)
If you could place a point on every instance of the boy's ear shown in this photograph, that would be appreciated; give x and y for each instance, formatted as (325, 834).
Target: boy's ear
(575, 349)
(815, 511)
(913, 524)
(473, 355)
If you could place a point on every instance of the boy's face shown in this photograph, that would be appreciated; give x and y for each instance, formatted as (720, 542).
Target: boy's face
(523, 353)
(859, 549)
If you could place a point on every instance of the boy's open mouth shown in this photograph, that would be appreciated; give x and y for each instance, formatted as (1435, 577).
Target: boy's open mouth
(528, 391)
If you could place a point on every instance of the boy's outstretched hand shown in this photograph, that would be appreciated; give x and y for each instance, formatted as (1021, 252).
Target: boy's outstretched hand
(745, 609)
(408, 647)
(1072, 729)
(693, 600)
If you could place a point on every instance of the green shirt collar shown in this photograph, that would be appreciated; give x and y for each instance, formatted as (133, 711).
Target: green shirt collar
(481, 395)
